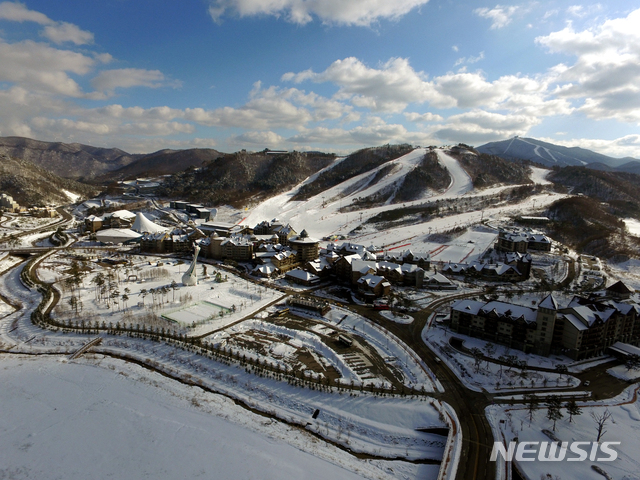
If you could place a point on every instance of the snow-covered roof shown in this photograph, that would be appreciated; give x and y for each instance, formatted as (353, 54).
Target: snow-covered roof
(626, 348)
(301, 239)
(438, 278)
(589, 316)
(143, 224)
(409, 267)
(266, 269)
(468, 306)
(125, 214)
(155, 236)
(358, 265)
(619, 287)
(549, 302)
(300, 274)
(511, 311)
(367, 255)
(117, 235)
(623, 308)
(576, 322)
(371, 280)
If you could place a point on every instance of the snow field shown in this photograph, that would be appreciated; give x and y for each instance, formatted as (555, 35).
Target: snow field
(105, 418)
(184, 305)
(398, 318)
(297, 339)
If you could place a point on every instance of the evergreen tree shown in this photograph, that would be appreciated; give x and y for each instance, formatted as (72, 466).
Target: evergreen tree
(573, 409)
(531, 402)
(554, 412)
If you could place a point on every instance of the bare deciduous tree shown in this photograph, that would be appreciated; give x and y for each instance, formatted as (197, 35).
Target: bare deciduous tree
(601, 421)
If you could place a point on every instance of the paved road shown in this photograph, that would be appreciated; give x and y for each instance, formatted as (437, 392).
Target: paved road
(477, 438)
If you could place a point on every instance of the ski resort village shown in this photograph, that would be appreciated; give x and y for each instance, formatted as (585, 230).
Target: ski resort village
(397, 313)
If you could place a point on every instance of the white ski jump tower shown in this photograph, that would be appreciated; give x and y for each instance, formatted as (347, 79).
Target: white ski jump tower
(190, 277)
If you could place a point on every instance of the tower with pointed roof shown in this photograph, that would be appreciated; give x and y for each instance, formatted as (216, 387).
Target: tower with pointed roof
(545, 325)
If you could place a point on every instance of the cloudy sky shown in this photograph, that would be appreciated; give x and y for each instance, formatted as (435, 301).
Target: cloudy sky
(332, 75)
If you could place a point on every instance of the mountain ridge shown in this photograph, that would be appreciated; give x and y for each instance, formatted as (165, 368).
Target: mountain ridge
(551, 155)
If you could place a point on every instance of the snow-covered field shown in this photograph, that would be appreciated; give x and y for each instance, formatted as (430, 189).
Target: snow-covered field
(103, 418)
(623, 373)
(623, 427)
(182, 304)
(415, 372)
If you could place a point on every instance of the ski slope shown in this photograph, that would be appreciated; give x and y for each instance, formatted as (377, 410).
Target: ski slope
(320, 215)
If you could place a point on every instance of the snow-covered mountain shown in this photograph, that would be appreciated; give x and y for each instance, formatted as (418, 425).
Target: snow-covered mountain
(554, 155)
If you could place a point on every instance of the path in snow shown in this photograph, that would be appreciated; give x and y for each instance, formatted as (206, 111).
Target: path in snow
(460, 180)
(539, 176)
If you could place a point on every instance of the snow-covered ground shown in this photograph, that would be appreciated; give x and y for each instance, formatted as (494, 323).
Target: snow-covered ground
(491, 376)
(181, 304)
(104, 418)
(363, 422)
(539, 175)
(623, 427)
(72, 196)
(633, 226)
(624, 373)
(415, 371)
(396, 317)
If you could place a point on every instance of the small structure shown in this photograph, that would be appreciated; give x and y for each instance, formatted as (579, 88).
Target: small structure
(143, 225)
(190, 277)
(318, 306)
(373, 286)
(117, 235)
(301, 277)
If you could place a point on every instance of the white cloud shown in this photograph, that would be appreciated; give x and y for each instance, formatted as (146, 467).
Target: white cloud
(469, 60)
(422, 117)
(115, 111)
(581, 11)
(395, 85)
(340, 12)
(67, 32)
(108, 80)
(41, 67)
(67, 126)
(388, 89)
(18, 12)
(478, 127)
(606, 70)
(500, 15)
(57, 32)
(374, 132)
(272, 108)
(627, 146)
(264, 139)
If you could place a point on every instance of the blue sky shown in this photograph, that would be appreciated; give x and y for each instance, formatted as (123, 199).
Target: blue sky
(332, 75)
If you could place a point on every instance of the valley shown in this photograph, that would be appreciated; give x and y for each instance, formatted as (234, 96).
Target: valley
(326, 324)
